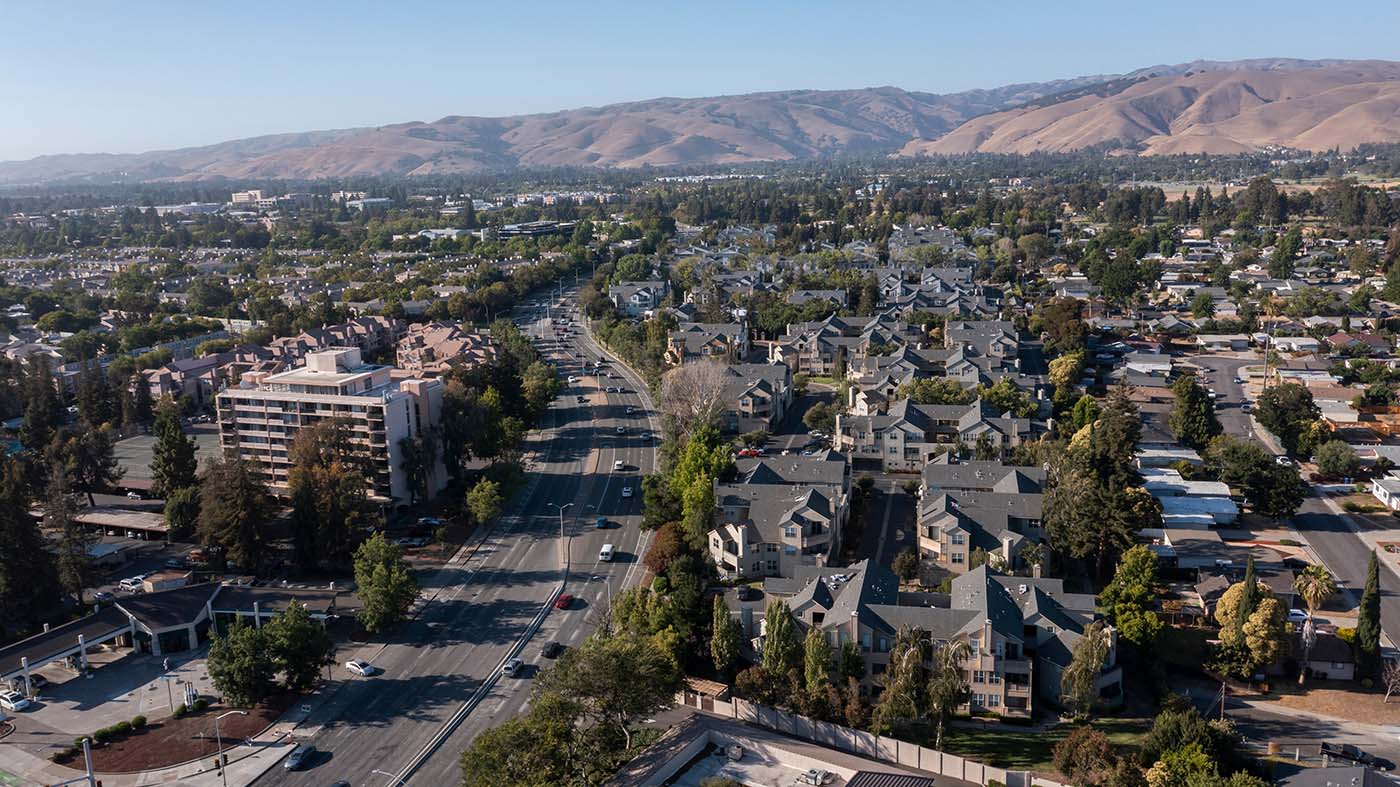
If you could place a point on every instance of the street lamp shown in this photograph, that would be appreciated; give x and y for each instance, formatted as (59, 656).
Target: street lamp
(219, 741)
(561, 515)
(396, 780)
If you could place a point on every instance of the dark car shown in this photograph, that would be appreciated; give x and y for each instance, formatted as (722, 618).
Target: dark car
(601, 523)
(552, 650)
(1346, 751)
(299, 757)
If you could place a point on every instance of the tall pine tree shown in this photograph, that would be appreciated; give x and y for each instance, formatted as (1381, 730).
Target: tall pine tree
(1368, 623)
(28, 582)
(173, 464)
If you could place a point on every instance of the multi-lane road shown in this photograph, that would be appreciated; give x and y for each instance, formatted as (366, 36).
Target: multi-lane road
(441, 683)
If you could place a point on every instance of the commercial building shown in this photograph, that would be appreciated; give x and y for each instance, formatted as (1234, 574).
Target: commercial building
(261, 417)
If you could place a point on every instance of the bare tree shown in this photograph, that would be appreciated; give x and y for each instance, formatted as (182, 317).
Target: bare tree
(692, 394)
(1391, 675)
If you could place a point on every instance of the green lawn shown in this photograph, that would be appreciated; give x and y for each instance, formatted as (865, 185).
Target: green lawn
(1025, 749)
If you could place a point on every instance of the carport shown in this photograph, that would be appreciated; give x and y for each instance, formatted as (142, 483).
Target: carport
(61, 642)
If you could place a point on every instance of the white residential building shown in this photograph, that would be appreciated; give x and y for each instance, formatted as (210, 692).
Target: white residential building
(259, 419)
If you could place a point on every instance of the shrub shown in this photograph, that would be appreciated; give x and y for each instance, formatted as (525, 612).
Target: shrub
(1290, 542)
(121, 728)
(200, 704)
(181, 710)
(103, 735)
(137, 722)
(1347, 635)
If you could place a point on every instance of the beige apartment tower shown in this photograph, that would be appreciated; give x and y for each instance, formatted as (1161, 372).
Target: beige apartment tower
(259, 418)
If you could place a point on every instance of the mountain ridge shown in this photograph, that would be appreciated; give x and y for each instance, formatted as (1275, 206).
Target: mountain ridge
(1200, 106)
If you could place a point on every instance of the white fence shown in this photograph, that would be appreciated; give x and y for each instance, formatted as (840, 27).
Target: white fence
(864, 744)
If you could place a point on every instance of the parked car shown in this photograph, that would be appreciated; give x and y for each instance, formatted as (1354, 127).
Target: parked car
(572, 379)
(582, 399)
(102, 595)
(133, 495)
(1285, 461)
(299, 757)
(552, 650)
(132, 584)
(13, 701)
(1297, 616)
(631, 410)
(512, 667)
(1346, 751)
(361, 667)
(564, 601)
(626, 491)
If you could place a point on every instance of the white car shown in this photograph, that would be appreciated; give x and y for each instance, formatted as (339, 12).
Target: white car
(133, 495)
(361, 667)
(572, 379)
(512, 667)
(626, 491)
(13, 701)
(131, 584)
(622, 430)
(618, 465)
(1297, 616)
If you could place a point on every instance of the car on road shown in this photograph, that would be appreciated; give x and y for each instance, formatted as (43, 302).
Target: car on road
(430, 521)
(564, 601)
(583, 400)
(601, 523)
(572, 379)
(175, 562)
(132, 584)
(631, 410)
(618, 465)
(299, 757)
(102, 595)
(1246, 407)
(133, 495)
(361, 667)
(1297, 616)
(512, 667)
(552, 650)
(622, 430)
(13, 701)
(1346, 751)
(626, 491)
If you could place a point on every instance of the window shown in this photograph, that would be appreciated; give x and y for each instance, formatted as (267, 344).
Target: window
(959, 557)
(978, 700)
(993, 701)
(790, 532)
(772, 565)
(789, 549)
(978, 676)
(957, 539)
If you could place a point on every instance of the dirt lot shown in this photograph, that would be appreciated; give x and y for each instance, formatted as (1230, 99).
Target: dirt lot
(1342, 700)
(174, 741)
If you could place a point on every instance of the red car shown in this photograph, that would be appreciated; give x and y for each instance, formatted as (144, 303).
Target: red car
(564, 601)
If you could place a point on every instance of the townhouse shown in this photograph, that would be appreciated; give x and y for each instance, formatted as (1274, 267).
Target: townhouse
(827, 346)
(1020, 632)
(909, 436)
(693, 340)
(636, 298)
(979, 505)
(757, 396)
(780, 513)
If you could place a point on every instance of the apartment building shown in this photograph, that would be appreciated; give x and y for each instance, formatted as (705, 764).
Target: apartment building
(433, 349)
(694, 340)
(261, 417)
(780, 513)
(1020, 631)
(910, 435)
(822, 348)
(757, 396)
(979, 505)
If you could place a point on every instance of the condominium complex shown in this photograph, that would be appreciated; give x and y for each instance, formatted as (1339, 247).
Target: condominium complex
(261, 417)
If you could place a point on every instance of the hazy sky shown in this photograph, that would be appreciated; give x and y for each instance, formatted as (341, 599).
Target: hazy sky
(95, 76)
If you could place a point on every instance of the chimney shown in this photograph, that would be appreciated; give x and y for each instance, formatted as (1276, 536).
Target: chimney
(1035, 570)
(855, 628)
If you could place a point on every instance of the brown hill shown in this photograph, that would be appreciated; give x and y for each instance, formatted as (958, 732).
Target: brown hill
(1336, 105)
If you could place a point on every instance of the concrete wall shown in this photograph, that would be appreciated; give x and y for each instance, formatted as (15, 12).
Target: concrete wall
(866, 744)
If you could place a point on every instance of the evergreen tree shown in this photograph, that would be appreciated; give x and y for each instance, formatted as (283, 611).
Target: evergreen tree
(28, 583)
(1368, 623)
(1192, 418)
(182, 512)
(724, 641)
(386, 583)
(1250, 595)
(43, 410)
(74, 541)
(782, 649)
(173, 462)
(95, 399)
(234, 510)
(142, 407)
(90, 459)
(816, 661)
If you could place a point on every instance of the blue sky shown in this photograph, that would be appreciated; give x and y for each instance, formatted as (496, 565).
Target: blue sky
(90, 76)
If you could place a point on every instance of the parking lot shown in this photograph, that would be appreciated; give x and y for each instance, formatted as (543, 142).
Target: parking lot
(134, 453)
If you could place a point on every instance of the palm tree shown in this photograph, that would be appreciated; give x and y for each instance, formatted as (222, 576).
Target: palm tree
(1314, 585)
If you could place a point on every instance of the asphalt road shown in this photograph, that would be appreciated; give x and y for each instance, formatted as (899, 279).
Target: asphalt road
(1332, 536)
(499, 602)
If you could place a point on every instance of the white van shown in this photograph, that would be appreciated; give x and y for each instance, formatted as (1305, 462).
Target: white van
(606, 553)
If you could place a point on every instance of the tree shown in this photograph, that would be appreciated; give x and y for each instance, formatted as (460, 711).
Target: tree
(1086, 757)
(420, 455)
(485, 501)
(241, 665)
(299, 646)
(1202, 306)
(1258, 630)
(906, 564)
(1127, 600)
(1314, 585)
(173, 462)
(539, 749)
(387, 587)
(75, 541)
(1288, 411)
(1390, 676)
(668, 545)
(1368, 622)
(97, 404)
(1062, 321)
(1078, 691)
(947, 685)
(29, 590)
(1087, 519)
(935, 390)
(614, 680)
(692, 395)
(724, 639)
(235, 509)
(1272, 489)
(898, 704)
(782, 649)
(1192, 418)
(181, 512)
(1086, 411)
(91, 461)
(820, 417)
(331, 510)
(1066, 370)
(816, 661)
(1286, 249)
(43, 410)
(852, 661)
(1336, 459)
(1004, 397)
